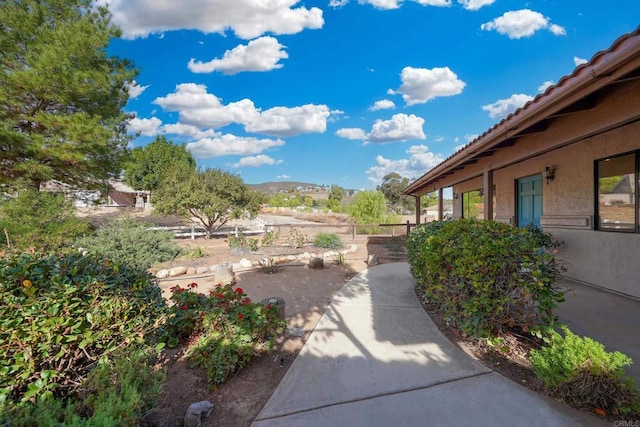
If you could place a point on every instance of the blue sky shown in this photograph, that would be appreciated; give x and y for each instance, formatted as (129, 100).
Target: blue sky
(344, 92)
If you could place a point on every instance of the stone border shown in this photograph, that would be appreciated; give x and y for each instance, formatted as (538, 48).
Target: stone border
(245, 264)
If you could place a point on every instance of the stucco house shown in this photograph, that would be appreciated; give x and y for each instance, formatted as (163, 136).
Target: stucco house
(568, 161)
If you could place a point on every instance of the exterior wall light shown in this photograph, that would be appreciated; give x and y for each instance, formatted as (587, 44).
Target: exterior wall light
(455, 195)
(549, 174)
(481, 192)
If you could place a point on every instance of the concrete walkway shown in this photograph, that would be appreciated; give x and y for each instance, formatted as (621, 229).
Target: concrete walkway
(376, 359)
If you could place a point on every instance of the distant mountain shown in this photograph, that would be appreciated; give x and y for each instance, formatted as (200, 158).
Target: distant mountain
(284, 186)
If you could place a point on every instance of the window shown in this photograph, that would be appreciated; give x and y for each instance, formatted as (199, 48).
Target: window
(617, 195)
(473, 205)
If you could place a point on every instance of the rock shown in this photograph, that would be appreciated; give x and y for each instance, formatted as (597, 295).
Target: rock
(373, 260)
(202, 270)
(291, 258)
(305, 255)
(177, 271)
(213, 268)
(277, 303)
(197, 412)
(245, 263)
(316, 263)
(329, 254)
(162, 274)
(353, 248)
(191, 270)
(237, 266)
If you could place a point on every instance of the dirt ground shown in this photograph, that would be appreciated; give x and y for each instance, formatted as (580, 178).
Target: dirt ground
(306, 292)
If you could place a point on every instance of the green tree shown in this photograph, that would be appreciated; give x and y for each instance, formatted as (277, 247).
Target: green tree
(62, 97)
(212, 196)
(335, 197)
(392, 186)
(40, 220)
(370, 207)
(147, 165)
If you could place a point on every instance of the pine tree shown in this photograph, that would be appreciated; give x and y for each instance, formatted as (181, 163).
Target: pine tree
(62, 96)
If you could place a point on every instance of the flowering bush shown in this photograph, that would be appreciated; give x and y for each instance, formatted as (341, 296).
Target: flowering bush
(224, 329)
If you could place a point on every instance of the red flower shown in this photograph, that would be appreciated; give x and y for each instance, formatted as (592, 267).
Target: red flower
(239, 290)
(202, 314)
(185, 307)
(240, 316)
(268, 307)
(218, 285)
(246, 301)
(219, 296)
(193, 285)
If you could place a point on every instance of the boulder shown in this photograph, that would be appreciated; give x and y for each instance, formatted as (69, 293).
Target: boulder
(191, 270)
(197, 412)
(177, 271)
(162, 274)
(373, 260)
(202, 270)
(245, 263)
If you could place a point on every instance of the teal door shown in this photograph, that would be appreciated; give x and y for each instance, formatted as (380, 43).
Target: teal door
(529, 200)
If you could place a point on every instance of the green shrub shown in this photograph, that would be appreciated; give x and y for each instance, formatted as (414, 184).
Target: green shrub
(41, 220)
(226, 329)
(132, 243)
(295, 239)
(118, 391)
(584, 374)
(194, 252)
(327, 241)
(61, 314)
(270, 238)
(340, 258)
(542, 240)
(486, 276)
(242, 243)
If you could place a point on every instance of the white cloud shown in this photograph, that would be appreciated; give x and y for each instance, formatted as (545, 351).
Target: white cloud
(383, 104)
(146, 127)
(261, 54)
(475, 4)
(352, 133)
(420, 85)
(522, 23)
(256, 161)
(135, 90)
(337, 3)
(390, 4)
(225, 145)
(401, 127)
(579, 61)
(196, 107)
(503, 107)
(283, 176)
(188, 130)
(420, 161)
(248, 19)
(284, 121)
(544, 86)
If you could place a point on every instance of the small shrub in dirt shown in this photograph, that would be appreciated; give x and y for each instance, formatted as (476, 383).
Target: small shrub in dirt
(60, 315)
(194, 252)
(581, 372)
(131, 242)
(340, 258)
(225, 329)
(295, 239)
(242, 243)
(327, 241)
(486, 276)
(270, 238)
(269, 265)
